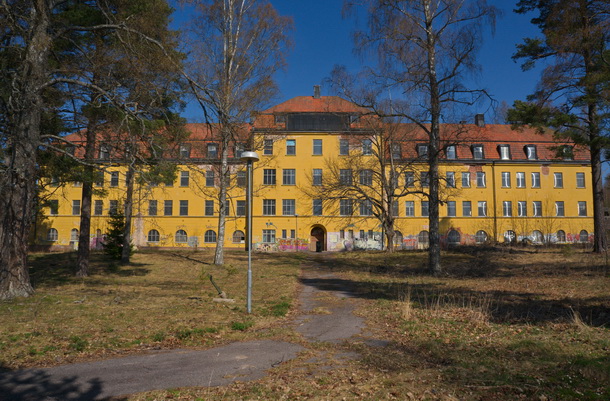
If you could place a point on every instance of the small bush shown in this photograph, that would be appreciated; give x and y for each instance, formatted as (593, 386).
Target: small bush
(280, 309)
(78, 344)
(158, 336)
(241, 326)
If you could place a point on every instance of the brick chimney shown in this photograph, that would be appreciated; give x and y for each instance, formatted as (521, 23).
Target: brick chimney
(316, 91)
(479, 120)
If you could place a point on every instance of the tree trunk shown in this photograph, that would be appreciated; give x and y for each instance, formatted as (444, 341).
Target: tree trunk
(126, 250)
(18, 186)
(222, 198)
(600, 241)
(84, 236)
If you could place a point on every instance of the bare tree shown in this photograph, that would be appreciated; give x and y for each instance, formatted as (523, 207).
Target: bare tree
(424, 50)
(237, 47)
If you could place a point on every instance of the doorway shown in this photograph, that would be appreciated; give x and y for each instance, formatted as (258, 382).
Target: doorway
(317, 242)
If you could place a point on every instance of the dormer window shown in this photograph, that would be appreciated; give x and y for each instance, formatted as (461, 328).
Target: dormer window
(477, 152)
(212, 150)
(353, 118)
(185, 151)
(239, 149)
(451, 152)
(422, 150)
(104, 152)
(280, 119)
(504, 151)
(396, 151)
(530, 152)
(566, 152)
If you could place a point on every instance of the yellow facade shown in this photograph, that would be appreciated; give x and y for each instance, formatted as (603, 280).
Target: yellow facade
(535, 187)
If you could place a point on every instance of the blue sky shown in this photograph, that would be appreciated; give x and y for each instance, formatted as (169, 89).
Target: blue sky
(322, 39)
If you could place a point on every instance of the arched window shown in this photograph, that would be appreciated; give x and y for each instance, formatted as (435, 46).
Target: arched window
(510, 236)
(74, 234)
(481, 237)
(423, 238)
(584, 236)
(153, 236)
(537, 237)
(239, 237)
(209, 236)
(181, 237)
(52, 234)
(453, 238)
(397, 238)
(561, 236)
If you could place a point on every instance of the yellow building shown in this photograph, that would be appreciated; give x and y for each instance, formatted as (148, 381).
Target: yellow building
(497, 183)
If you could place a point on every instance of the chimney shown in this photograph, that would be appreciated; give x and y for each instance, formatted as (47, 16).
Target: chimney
(316, 91)
(479, 120)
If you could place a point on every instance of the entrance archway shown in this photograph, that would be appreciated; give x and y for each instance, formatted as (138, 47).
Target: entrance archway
(317, 241)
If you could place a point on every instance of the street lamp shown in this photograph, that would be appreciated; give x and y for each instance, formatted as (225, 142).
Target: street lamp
(249, 158)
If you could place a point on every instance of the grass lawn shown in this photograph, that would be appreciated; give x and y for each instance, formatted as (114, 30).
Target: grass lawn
(501, 324)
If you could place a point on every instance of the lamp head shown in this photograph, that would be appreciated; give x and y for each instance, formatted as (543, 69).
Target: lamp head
(249, 156)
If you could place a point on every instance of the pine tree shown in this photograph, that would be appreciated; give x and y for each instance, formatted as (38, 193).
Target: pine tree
(113, 242)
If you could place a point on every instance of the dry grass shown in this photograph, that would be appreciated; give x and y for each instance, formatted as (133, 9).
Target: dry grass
(161, 300)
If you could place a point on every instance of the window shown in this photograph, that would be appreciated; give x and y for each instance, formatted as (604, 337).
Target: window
(520, 180)
(269, 176)
(209, 178)
(537, 237)
(185, 151)
(535, 180)
(74, 234)
(227, 208)
(212, 150)
(504, 151)
(580, 180)
(241, 179)
(268, 147)
(342, 234)
(268, 207)
(409, 208)
(76, 207)
(169, 182)
(209, 208)
(104, 152)
(184, 208)
(453, 238)
(583, 236)
(54, 207)
(561, 236)
(209, 236)
(482, 208)
(346, 207)
(366, 208)
(367, 147)
(505, 179)
(422, 150)
(288, 207)
(293, 234)
(530, 152)
(345, 176)
(566, 152)
(98, 208)
(451, 208)
(466, 208)
(239, 237)
(395, 208)
(582, 209)
(291, 147)
(114, 178)
(52, 234)
(396, 151)
(152, 207)
(450, 152)
(181, 237)
(507, 208)
(522, 208)
(240, 148)
(77, 183)
(54, 182)
(317, 176)
(153, 236)
(423, 238)
(465, 179)
(510, 236)
(113, 208)
(558, 180)
(284, 233)
(366, 177)
(317, 207)
(450, 179)
(317, 147)
(370, 234)
(409, 179)
(424, 179)
(168, 207)
(537, 208)
(559, 209)
(344, 147)
(425, 208)
(477, 152)
(240, 210)
(480, 237)
(350, 234)
(269, 236)
(99, 179)
(289, 176)
(481, 179)
(184, 178)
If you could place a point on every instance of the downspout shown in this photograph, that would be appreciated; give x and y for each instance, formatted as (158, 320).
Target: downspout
(493, 183)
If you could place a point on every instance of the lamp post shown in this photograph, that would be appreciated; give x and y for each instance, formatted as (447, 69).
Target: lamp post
(296, 231)
(249, 158)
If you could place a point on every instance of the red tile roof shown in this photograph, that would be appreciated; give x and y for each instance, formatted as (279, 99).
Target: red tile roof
(310, 104)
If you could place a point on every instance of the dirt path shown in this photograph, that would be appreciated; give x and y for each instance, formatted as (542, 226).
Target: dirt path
(326, 315)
